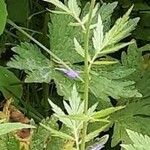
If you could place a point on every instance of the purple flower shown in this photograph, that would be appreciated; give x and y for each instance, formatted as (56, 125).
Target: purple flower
(70, 73)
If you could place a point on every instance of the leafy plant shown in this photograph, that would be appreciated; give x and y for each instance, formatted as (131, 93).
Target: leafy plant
(140, 142)
(98, 90)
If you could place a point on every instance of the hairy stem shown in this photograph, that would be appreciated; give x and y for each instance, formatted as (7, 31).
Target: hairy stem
(86, 72)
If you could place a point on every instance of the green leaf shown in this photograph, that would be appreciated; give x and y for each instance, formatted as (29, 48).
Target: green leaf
(76, 104)
(106, 11)
(58, 133)
(104, 62)
(106, 112)
(10, 127)
(140, 142)
(114, 48)
(98, 34)
(41, 137)
(95, 133)
(62, 38)
(120, 30)
(78, 48)
(74, 8)
(133, 59)
(8, 142)
(64, 84)
(75, 107)
(29, 58)
(104, 87)
(134, 117)
(86, 13)
(10, 85)
(59, 113)
(59, 4)
(3, 15)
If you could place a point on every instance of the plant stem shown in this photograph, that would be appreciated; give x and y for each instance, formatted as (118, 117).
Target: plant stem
(76, 139)
(86, 72)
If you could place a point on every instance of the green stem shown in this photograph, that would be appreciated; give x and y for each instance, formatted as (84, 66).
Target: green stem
(86, 72)
(76, 139)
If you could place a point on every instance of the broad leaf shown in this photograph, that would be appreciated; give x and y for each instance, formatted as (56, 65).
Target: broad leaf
(134, 117)
(140, 142)
(3, 15)
(104, 87)
(62, 38)
(133, 59)
(29, 58)
(10, 85)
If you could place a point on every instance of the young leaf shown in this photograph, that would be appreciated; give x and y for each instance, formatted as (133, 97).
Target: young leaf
(74, 8)
(114, 48)
(59, 4)
(106, 11)
(98, 35)
(106, 112)
(59, 113)
(78, 48)
(120, 30)
(85, 18)
(76, 104)
(74, 108)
